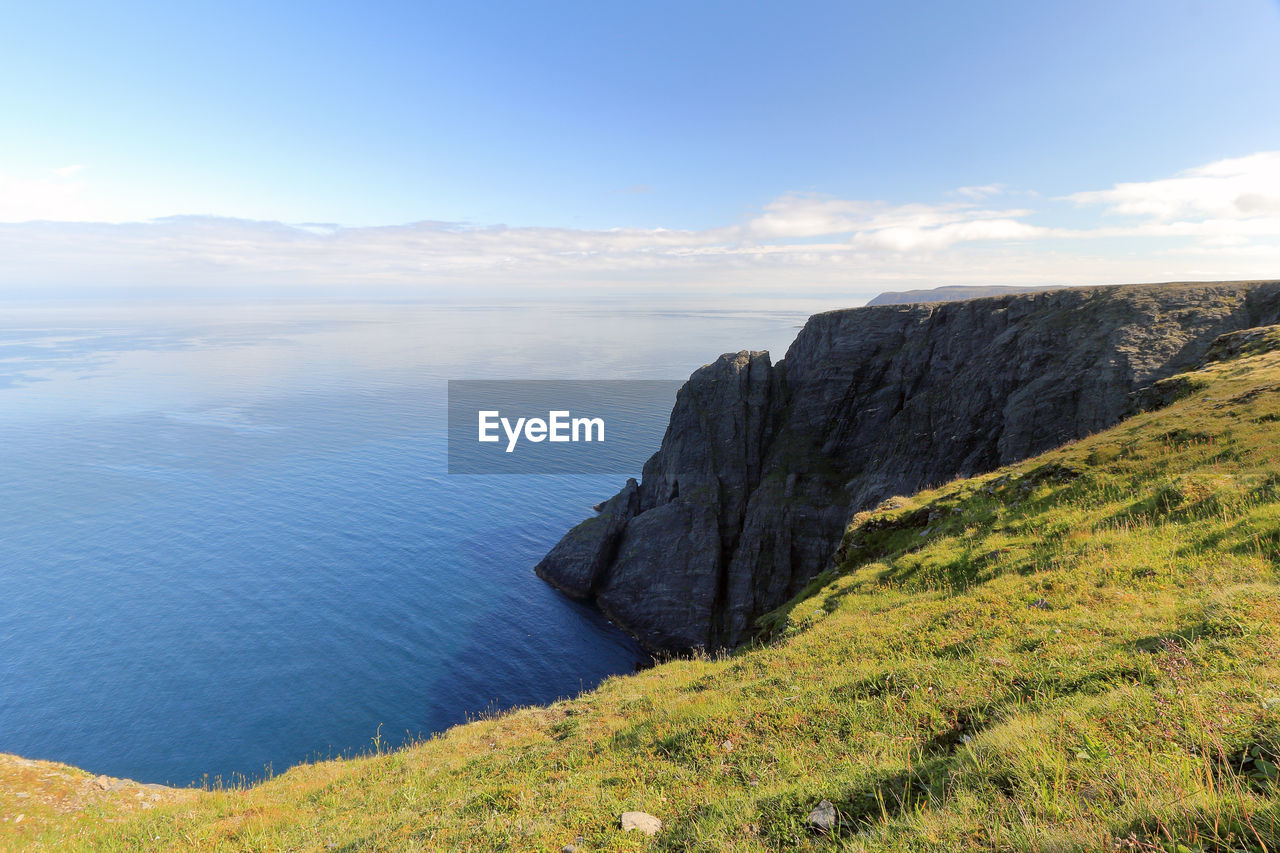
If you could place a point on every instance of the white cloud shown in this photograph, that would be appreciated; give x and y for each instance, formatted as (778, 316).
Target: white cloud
(979, 193)
(1221, 220)
(61, 195)
(37, 198)
(900, 228)
(1229, 208)
(922, 236)
(798, 215)
(1238, 188)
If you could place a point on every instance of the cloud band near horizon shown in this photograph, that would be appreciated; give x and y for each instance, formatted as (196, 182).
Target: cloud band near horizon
(1218, 220)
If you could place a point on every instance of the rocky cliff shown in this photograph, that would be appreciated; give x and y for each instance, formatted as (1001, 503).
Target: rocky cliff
(763, 464)
(947, 293)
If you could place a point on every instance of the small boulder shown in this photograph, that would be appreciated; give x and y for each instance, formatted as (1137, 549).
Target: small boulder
(642, 822)
(823, 818)
(107, 783)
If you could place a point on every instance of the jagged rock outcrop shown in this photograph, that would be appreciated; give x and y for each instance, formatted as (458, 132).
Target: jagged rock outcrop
(762, 465)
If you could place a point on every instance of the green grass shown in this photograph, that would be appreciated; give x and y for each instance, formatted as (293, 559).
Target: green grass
(1077, 652)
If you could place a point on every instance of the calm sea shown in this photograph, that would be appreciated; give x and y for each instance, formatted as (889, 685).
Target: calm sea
(228, 541)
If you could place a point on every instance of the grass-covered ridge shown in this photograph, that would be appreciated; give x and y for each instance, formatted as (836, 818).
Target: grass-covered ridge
(1078, 652)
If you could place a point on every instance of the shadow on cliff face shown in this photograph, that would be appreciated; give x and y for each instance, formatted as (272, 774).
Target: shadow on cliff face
(763, 464)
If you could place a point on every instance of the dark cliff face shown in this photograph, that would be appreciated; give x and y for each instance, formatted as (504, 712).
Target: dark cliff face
(762, 465)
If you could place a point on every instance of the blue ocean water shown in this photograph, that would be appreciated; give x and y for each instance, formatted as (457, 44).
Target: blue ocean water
(228, 541)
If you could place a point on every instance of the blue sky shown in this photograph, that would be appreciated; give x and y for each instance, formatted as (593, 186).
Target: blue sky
(588, 117)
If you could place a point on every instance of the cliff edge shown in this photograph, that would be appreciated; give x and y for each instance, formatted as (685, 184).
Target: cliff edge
(948, 293)
(763, 464)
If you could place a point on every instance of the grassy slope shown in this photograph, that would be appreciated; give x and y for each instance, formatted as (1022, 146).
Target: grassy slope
(1075, 652)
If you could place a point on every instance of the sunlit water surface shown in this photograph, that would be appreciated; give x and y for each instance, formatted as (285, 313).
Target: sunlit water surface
(228, 541)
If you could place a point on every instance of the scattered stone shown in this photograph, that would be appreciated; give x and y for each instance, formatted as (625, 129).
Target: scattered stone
(106, 783)
(823, 818)
(642, 822)
(1041, 604)
(727, 746)
(569, 848)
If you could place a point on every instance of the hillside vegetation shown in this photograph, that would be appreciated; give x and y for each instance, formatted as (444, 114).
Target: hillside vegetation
(1077, 652)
